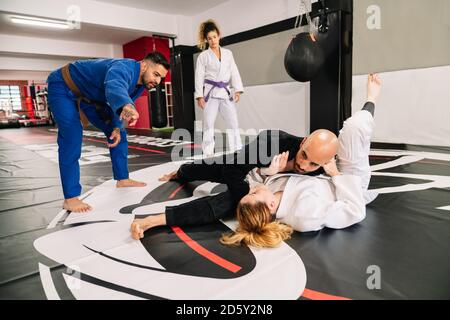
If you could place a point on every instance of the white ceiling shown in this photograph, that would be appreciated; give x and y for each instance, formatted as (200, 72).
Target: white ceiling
(34, 55)
(109, 35)
(87, 32)
(100, 35)
(175, 7)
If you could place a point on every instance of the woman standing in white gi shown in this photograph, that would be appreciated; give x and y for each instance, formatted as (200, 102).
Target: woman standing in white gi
(216, 73)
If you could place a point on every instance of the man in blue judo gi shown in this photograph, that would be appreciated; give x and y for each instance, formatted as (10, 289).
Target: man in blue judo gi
(102, 92)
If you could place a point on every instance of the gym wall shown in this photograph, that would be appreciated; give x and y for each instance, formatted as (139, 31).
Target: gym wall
(36, 76)
(411, 52)
(413, 34)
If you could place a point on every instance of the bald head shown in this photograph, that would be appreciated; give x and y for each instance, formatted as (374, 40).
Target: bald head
(316, 150)
(322, 145)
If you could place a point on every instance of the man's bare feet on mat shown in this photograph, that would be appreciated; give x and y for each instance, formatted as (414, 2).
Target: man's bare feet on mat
(129, 183)
(76, 205)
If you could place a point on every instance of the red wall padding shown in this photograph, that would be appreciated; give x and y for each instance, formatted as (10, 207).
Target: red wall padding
(138, 49)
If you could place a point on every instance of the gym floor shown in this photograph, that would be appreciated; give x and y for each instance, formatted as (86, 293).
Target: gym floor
(400, 251)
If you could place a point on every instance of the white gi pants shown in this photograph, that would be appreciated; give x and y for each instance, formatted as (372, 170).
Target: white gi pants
(354, 147)
(227, 110)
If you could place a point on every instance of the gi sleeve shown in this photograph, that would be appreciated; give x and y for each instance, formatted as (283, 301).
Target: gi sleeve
(236, 81)
(200, 76)
(349, 207)
(118, 80)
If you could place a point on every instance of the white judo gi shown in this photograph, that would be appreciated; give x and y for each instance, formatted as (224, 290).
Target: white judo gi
(219, 99)
(311, 203)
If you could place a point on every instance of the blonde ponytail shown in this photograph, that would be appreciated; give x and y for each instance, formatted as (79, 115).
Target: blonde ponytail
(256, 228)
(205, 28)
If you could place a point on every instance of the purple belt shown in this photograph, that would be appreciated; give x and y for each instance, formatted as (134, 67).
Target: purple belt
(217, 84)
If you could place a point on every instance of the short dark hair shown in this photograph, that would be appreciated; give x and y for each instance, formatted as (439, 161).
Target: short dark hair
(158, 58)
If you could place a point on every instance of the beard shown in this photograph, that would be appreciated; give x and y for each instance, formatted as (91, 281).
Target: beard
(149, 85)
(298, 169)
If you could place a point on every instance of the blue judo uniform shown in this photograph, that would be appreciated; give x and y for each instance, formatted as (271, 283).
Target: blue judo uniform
(112, 83)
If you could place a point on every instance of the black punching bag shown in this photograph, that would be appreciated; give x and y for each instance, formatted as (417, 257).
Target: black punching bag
(304, 57)
(158, 107)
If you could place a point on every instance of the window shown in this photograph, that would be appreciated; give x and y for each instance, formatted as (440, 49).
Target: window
(10, 97)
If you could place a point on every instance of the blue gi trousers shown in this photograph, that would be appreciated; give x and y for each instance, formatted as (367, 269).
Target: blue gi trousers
(70, 136)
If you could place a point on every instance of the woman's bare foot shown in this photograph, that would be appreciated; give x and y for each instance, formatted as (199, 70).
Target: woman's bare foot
(373, 87)
(129, 183)
(169, 176)
(76, 205)
(139, 226)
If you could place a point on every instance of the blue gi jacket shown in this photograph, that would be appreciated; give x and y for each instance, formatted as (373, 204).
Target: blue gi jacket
(111, 81)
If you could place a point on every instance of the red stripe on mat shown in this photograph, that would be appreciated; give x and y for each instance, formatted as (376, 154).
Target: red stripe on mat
(176, 191)
(194, 245)
(130, 147)
(146, 149)
(316, 295)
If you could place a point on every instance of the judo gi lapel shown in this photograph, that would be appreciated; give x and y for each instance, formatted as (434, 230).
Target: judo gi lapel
(216, 63)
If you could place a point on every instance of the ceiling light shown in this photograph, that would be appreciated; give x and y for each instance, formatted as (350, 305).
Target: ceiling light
(40, 22)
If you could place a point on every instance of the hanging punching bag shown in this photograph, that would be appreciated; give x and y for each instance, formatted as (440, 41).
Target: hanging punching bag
(304, 57)
(158, 107)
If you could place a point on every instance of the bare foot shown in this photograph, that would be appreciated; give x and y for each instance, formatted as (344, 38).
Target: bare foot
(373, 87)
(129, 183)
(169, 176)
(76, 205)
